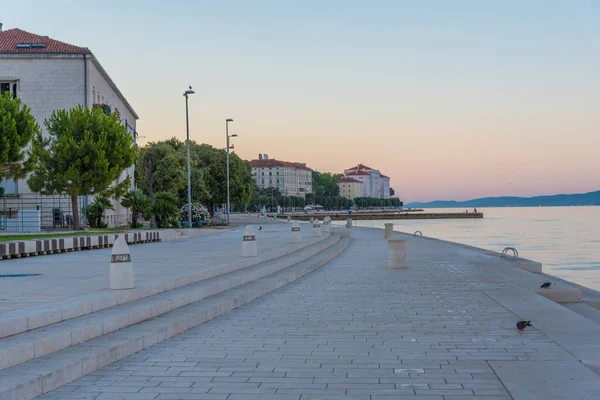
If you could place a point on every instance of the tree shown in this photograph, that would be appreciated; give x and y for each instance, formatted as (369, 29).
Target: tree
(392, 192)
(95, 211)
(17, 128)
(86, 153)
(165, 209)
(137, 201)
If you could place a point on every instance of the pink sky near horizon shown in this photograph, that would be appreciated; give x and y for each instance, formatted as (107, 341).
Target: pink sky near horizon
(452, 100)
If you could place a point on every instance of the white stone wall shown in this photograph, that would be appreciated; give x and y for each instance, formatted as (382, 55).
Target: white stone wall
(44, 85)
(290, 180)
(100, 91)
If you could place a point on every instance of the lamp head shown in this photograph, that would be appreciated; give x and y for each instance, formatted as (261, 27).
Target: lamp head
(228, 120)
(188, 92)
(234, 135)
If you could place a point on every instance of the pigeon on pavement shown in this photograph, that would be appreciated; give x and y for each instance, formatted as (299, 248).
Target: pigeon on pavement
(523, 324)
(260, 228)
(546, 285)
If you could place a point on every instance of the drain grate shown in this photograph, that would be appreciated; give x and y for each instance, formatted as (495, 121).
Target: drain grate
(17, 275)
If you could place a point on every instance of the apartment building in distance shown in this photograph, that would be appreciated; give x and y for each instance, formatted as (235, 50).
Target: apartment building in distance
(350, 188)
(291, 178)
(375, 184)
(47, 74)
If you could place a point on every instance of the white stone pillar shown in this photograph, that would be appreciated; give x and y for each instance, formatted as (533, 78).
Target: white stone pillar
(349, 223)
(121, 268)
(312, 219)
(316, 228)
(249, 247)
(389, 230)
(396, 253)
(296, 234)
(327, 224)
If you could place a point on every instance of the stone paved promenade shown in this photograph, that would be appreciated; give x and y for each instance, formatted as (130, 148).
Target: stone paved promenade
(77, 273)
(355, 330)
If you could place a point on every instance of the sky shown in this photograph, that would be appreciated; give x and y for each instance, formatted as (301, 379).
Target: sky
(451, 99)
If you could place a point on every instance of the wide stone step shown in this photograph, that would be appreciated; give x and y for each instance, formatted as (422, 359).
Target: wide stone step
(47, 373)
(26, 319)
(26, 346)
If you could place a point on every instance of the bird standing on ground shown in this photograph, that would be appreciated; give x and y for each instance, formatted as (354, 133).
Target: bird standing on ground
(523, 324)
(260, 228)
(546, 285)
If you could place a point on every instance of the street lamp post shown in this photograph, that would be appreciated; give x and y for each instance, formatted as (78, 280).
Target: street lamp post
(189, 171)
(227, 121)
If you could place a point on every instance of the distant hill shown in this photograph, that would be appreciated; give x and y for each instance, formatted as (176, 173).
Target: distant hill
(585, 199)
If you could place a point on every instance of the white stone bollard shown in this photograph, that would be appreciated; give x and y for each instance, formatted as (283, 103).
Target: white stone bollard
(396, 253)
(289, 218)
(296, 234)
(327, 224)
(121, 268)
(249, 247)
(389, 230)
(316, 228)
(312, 219)
(349, 223)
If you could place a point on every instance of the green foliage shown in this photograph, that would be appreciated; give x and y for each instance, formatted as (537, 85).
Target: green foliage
(85, 153)
(95, 211)
(17, 128)
(368, 202)
(137, 201)
(163, 167)
(392, 192)
(325, 184)
(166, 209)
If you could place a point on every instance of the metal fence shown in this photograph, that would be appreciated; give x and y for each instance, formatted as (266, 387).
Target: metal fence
(36, 213)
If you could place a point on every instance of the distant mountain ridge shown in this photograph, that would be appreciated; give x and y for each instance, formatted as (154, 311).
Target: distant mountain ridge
(584, 199)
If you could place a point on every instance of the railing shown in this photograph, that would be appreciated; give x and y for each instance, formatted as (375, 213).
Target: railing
(507, 249)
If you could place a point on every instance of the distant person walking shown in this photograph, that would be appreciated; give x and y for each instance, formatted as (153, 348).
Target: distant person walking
(475, 210)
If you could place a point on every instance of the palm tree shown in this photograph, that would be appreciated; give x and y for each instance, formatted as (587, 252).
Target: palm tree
(165, 208)
(137, 202)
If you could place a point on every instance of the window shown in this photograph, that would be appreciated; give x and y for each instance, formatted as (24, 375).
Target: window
(8, 87)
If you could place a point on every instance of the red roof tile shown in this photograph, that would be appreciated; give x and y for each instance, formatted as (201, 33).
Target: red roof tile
(360, 167)
(10, 38)
(270, 163)
(358, 173)
(349, 180)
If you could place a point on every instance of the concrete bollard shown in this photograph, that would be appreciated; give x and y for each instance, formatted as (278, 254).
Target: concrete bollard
(327, 224)
(349, 223)
(389, 230)
(121, 268)
(249, 247)
(316, 228)
(296, 234)
(289, 218)
(396, 253)
(312, 219)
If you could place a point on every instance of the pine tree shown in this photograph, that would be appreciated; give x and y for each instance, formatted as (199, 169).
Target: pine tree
(17, 128)
(85, 153)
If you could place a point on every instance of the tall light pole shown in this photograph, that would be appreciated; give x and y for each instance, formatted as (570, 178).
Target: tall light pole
(189, 171)
(227, 121)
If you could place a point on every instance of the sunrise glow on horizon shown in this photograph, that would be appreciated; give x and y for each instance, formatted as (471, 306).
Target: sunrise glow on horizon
(451, 100)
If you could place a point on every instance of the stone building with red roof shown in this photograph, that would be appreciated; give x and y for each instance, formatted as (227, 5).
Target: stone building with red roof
(375, 184)
(47, 74)
(291, 178)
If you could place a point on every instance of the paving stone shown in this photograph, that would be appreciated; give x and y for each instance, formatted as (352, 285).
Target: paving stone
(355, 330)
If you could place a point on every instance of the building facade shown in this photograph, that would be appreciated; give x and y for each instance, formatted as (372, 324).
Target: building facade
(375, 184)
(47, 75)
(350, 188)
(291, 178)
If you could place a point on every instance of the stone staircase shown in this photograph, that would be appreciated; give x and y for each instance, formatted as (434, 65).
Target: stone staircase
(47, 347)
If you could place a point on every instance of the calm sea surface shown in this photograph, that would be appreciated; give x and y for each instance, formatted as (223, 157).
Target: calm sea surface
(566, 240)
